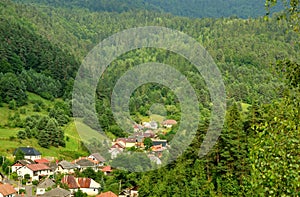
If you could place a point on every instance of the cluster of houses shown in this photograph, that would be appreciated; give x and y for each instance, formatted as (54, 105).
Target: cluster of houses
(41, 170)
(141, 132)
(35, 168)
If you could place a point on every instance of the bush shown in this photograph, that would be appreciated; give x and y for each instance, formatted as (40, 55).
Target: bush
(22, 111)
(22, 135)
(12, 104)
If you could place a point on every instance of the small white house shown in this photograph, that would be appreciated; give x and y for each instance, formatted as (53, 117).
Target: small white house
(65, 167)
(86, 185)
(97, 157)
(29, 153)
(43, 186)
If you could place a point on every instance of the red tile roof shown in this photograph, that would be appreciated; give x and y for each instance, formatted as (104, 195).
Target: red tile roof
(107, 169)
(7, 189)
(42, 161)
(70, 181)
(169, 122)
(84, 182)
(37, 167)
(17, 164)
(107, 194)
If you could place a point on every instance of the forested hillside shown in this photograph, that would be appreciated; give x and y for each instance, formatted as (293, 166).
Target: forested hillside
(257, 154)
(189, 8)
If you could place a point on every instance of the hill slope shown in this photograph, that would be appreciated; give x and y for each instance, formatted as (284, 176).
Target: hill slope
(189, 8)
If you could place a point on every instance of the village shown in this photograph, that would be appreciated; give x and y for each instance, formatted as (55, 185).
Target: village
(35, 175)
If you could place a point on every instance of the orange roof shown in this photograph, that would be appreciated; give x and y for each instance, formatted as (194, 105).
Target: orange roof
(17, 164)
(107, 194)
(37, 167)
(41, 161)
(106, 169)
(7, 189)
(169, 122)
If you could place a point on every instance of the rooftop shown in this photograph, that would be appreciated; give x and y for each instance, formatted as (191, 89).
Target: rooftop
(107, 194)
(37, 167)
(7, 189)
(57, 192)
(28, 151)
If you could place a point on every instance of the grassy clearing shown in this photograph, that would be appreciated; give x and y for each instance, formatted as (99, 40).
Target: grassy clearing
(80, 131)
(7, 132)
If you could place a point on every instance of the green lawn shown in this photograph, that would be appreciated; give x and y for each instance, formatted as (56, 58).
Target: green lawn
(7, 132)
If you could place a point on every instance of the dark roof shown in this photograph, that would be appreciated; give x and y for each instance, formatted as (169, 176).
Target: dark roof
(67, 165)
(46, 184)
(25, 162)
(28, 151)
(57, 192)
(98, 157)
(85, 163)
(127, 140)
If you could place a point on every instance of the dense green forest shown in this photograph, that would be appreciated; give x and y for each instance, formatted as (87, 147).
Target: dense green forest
(189, 8)
(257, 153)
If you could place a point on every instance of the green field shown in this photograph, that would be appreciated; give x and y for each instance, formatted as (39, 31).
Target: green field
(7, 145)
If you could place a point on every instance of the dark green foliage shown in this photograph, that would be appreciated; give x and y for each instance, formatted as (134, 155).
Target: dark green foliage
(147, 142)
(19, 155)
(12, 90)
(6, 166)
(41, 84)
(51, 135)
(79, 193)
(191, 8)
(22, 135)
(61, 112)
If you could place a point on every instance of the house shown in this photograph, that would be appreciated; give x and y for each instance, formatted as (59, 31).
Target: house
(150, 125)
(129, 142)
(144, 134)
(158, 149)
(137, 127)
(84, 163)
(7, 190)
(43, 186)
(20, 163)
(156, 142)
(119, 144)
(65, 167)
(106, 170)
(134, 192)
(169, 123)
(29, 153)
(115, 151)
(107, 194)
(97, 157)
(35, 171)
(124, 193)
(57, 192)
(42, 161)
(86, 185)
